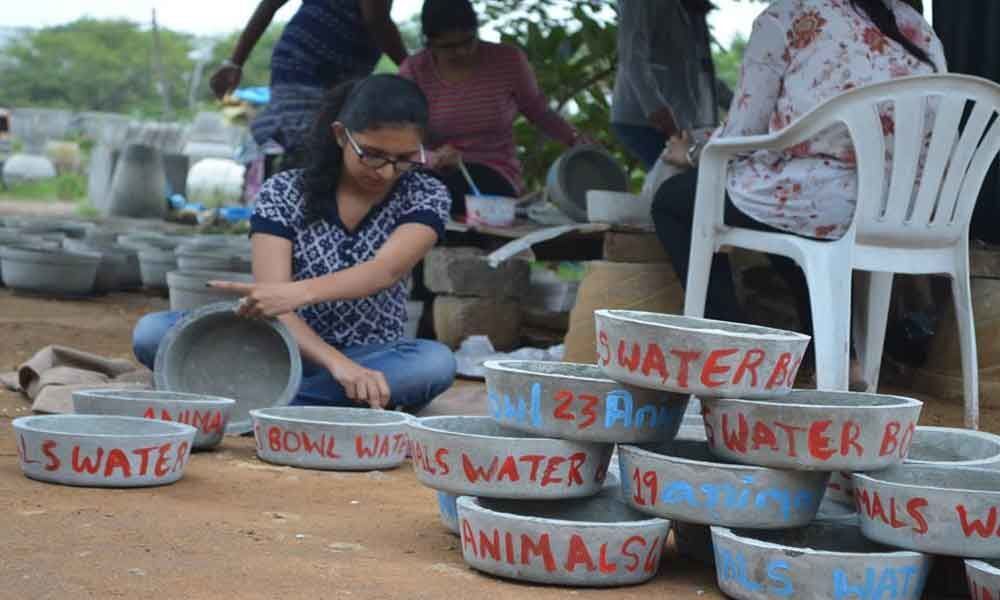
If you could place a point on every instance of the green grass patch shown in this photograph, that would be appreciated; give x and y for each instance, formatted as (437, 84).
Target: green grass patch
(65, 187)
(85, 210)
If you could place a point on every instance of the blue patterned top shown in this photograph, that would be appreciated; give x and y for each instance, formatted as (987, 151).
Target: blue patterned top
(325, 43)
(325, 246)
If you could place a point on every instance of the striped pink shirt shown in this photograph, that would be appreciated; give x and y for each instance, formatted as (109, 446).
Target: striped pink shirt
(477, 116)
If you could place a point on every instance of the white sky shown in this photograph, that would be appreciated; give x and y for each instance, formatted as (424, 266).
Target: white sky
(222, 16)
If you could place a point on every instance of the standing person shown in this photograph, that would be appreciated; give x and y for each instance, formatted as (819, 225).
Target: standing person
(665, 82)
(476, 90)
(801, 54)
(325, 43)
(333, 246)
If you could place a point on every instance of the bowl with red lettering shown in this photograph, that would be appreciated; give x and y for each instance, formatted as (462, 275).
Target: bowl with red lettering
(331, 437)
(935, 446)
(821, 560)
(813, 430)
(703, 357)
(983, 577)
(102, 451)
(952, 511)
(594, 542)
(207, 414)
(682, 480)
(577, 402)
(477, 456)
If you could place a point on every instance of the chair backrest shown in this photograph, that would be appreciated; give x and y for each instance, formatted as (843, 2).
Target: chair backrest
(946, 136)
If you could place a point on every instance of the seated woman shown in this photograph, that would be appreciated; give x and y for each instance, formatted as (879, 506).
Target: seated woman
(801, 53)
(476, 90)
(333, 245)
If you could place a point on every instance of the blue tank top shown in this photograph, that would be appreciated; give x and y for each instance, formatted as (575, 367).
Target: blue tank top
(325, 43)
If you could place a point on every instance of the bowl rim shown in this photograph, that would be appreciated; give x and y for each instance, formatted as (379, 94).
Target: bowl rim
(873, 478)
(727, 532)
(511, 366)
(901, 401)
(420, 424)
(28, 423)
(982, 566)
(472, 503)
(123, 393)
(634, 449)
(756, 332)
(261, 413)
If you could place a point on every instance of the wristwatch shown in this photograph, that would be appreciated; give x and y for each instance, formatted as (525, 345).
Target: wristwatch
(692, 154)
(229, 63)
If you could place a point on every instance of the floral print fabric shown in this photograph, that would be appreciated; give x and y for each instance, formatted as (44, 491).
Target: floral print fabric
(802, 53)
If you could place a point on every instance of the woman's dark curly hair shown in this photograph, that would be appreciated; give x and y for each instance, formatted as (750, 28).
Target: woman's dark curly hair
(361, 105)
(445, 16)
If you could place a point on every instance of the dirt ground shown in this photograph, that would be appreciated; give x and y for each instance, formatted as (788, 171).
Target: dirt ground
(235, 527)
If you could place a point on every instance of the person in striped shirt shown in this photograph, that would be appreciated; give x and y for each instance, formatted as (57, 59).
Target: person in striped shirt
(476, 90)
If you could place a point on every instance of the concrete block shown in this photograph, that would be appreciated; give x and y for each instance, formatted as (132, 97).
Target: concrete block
(463, 271)
(633, 248)
(458, 318)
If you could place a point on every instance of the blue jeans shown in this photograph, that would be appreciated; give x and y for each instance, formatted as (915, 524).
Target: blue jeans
(644, 143)
(417, 370)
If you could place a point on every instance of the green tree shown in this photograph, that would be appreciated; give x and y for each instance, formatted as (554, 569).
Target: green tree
(91, 64)
(727, 62)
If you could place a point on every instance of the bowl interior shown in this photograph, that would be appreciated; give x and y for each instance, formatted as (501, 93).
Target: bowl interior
(156, 395)
(705, 325)
(484, 426)
(951, 445)
(823, 537)
(946, 477)
(101, 425)
(333, 415)
(598, 509)
(557, 369)
(222, 354)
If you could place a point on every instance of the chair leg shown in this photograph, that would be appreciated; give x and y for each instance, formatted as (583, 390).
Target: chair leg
(962, 294)
(874, 313)
(699, 272)
(829, 282)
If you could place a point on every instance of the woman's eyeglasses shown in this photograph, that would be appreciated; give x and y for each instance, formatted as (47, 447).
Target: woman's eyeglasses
(377, 161)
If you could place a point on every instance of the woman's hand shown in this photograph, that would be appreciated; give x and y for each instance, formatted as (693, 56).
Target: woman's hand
(445, 156)
(263, 300)
(676, 152)
(364, 386)
(225, 79)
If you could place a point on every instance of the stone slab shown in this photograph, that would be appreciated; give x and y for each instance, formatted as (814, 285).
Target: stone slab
(463, 271)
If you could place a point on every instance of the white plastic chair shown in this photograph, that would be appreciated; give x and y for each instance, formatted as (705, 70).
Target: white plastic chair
(912, 229)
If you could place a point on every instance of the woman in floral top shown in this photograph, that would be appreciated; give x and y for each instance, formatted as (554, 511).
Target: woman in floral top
(801, 53)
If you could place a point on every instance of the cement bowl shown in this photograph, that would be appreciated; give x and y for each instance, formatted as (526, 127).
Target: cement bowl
(209, 415)
(683, 481)
(935, 446)
(831, 511)
(576, 402)
(448, 511)
(984, 579)
(594, 542)
(331, 438)
(118, 269)
(822, 560)
(189, 289)
(697, 356)
(154, 264)
(214, 352)
(476, 456)
(102, 451)
(936, 509)
(813, 430)
(50, 271)
(209, 259)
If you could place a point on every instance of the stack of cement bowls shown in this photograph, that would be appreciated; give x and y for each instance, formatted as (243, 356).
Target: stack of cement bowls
(157, 256)
(759, 473)
(204, 259)
(531, 480)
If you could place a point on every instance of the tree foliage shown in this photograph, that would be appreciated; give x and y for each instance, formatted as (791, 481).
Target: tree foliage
(94, 64)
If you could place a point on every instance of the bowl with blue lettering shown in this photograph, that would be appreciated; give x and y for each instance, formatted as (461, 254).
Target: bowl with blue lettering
(448, 511)
(813, 430)
(822, 560)
(331, 437)
(207, 414)
(102, 451)
(952, 511)
(594, 542)
(983, 577)
(684, 481)
(577, 402)
(477, 456)
(688, 355)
